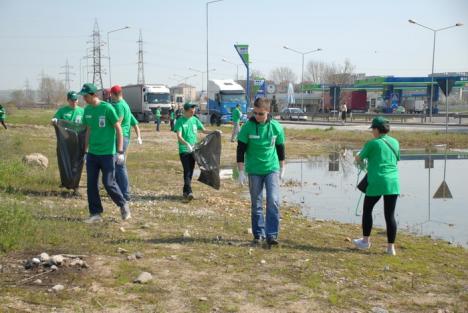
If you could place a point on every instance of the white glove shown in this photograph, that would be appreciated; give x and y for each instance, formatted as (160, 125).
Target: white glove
(85, 157)
(54, 120)
(189, 148)
(242, 178)
(120, 158)
(282, 171)
(139, 141)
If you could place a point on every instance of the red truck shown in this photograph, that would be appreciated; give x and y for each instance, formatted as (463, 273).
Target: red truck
(356, 101)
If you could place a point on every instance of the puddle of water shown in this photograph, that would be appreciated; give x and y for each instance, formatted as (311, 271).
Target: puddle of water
(331, 195)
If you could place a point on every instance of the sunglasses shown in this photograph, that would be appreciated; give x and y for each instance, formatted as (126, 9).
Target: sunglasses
(259, 113)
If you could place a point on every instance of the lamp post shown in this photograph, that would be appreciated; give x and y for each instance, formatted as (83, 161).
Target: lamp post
(108, 50)
(235, 64)
(202, 75)
(433, 57)
(207, 49)
(302, 75)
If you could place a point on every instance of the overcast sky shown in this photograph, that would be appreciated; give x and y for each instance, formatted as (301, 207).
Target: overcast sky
(375, 35)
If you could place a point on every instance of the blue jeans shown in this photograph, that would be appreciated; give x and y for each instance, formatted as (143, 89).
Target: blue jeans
(259, 227)
(121, 175)
(104, 164)
(157, 121)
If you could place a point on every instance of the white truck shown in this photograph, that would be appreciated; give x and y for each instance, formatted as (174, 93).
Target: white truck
(144, 99)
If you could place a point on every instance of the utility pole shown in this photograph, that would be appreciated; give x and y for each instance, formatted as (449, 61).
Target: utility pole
(141, 68)
(67, 74)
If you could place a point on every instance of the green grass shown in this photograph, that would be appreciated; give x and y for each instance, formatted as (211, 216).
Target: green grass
(314, 267)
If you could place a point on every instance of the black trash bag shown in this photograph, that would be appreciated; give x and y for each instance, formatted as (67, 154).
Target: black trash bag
(207, 154)
(70, 152)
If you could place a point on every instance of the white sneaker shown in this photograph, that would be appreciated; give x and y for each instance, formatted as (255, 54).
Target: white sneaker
(391, 251)
(125, 212)
(93, 219)
(361, 244)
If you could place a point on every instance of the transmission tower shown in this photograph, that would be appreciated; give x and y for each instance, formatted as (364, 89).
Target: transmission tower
(141, 69)
(96, 56)
(67, 74)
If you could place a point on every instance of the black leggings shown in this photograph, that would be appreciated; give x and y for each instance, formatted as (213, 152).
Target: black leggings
(389, 212)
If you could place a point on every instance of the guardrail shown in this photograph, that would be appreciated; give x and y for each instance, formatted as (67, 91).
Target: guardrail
(394, 117)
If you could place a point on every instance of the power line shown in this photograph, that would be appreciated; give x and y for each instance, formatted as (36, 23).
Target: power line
(96, 56)
(67, 74)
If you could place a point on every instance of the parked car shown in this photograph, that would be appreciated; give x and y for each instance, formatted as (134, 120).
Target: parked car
(293, 114)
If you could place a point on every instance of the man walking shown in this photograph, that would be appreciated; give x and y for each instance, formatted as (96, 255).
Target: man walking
(126, 120)
(236, 116)
(261, 147)
(187, 127)
(103, 129)
(3, 116)
(71, 112)
(157, 118)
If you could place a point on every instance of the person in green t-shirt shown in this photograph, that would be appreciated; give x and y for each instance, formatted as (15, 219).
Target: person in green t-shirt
(102, 131)
(3, 116)
(236, 117)
(172, 117)
(261, 147)
(71, 111)
(187, 127)
(382, 154)
(157, 118)
(127, 120)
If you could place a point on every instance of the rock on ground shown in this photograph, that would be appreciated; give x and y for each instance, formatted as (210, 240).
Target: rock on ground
(143, 278)
(36, 159)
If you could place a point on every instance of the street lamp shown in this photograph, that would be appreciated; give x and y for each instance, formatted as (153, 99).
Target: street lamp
(207, 64)
(302, 75)
(108, 50)
(433, 57)
(235, 64)
(202, 74)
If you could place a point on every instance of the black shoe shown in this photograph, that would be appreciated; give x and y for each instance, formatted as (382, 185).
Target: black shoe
(271, 241)
(258, 240)
(190, 196)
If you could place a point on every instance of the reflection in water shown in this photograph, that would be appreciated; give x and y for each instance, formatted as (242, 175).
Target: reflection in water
(326, 194)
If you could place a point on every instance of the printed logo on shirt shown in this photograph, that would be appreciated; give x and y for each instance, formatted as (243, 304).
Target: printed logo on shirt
(254, 137)
(78, 119)
(194, 128)
(102, 121)
(273, 140)
(68, 114)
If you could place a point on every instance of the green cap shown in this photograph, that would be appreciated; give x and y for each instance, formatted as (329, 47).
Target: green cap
(379, 122)
(87, 89)
(189, 105)
(71, 95)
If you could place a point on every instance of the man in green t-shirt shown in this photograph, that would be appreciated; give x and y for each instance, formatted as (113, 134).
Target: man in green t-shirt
(261, 147)
(71, 112)
(3, 116)
(157, 118)
(236, 115)
(127, 120)
(187, 127)
(102, 131)
(172, 117)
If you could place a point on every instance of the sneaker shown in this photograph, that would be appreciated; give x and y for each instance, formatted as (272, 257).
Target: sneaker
(391, 251)
(272, 241)
(361, 245)
(125, 212)
(93, 219)
(190, 196)
(258, 240)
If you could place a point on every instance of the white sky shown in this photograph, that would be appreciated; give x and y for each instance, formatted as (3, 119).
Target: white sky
(374, 34)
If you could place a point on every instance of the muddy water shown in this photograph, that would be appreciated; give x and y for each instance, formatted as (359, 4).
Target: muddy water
(331, 195)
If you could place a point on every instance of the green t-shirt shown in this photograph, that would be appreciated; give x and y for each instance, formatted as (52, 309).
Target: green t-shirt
(172, 115)
(261, 140)
(158, 113)
(382, 166)
(2, 114)
(101, 120)
(236, 115)
(123, 111)
(70, 114)
(189, 128)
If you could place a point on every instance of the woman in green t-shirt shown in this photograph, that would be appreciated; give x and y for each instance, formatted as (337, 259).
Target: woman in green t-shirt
(2, 116)
(382, 154)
